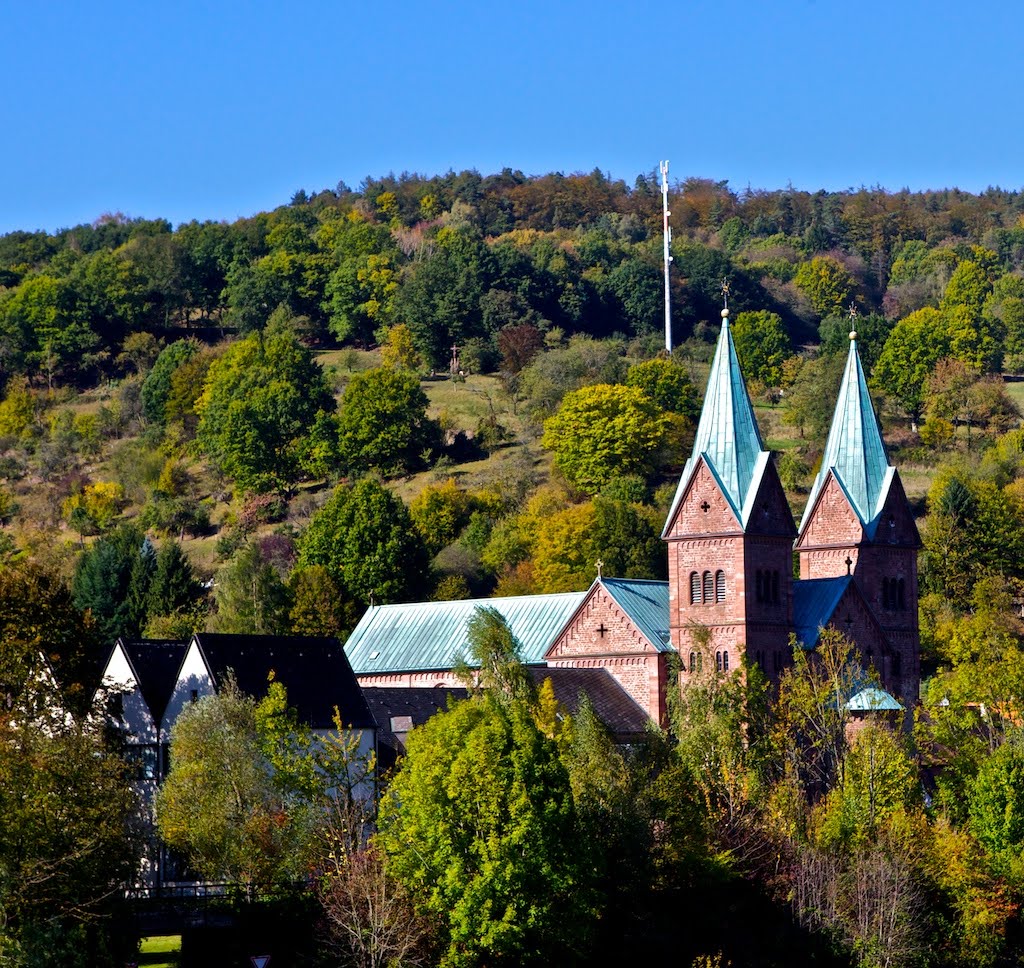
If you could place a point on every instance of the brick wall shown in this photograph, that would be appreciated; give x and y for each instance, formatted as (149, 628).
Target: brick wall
(601, 635)
(705, 537)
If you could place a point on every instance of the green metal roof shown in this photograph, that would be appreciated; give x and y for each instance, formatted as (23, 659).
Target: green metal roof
(727, 434)
(814, 602)
(872, 700)
(854, 452)
(432, 635)
(646, 604)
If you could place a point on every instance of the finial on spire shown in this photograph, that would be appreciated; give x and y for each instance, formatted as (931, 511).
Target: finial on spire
(725, 298)
(853, 319)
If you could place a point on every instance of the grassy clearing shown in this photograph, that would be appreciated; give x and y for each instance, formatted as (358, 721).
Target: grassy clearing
(160, 952)
(348, 360)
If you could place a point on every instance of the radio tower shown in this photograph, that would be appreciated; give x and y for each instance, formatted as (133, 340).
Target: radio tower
(667, 233)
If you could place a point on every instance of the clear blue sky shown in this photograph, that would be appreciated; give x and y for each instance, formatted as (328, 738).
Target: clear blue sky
(221, 109)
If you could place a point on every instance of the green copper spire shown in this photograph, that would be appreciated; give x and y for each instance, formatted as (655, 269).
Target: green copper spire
(854, 452)
(727, 434)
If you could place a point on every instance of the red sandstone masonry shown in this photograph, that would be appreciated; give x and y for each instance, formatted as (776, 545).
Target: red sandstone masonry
(602, 636)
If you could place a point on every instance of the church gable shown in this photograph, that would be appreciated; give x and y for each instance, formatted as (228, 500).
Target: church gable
(832, 520)
(895, 524)
(599, 627)
(703, 507)
(769, 512)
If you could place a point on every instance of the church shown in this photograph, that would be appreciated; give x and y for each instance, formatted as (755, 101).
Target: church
(731, 593)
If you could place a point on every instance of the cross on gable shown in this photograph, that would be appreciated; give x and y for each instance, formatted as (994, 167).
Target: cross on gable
(705, 507)
(602, 629)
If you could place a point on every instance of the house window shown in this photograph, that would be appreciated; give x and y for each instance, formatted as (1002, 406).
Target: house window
(719, 586)
(709, 588)
(695, 596)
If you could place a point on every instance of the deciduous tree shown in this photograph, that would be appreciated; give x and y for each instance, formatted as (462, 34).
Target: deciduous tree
(601, 432)
(383, 423)
(261, 398)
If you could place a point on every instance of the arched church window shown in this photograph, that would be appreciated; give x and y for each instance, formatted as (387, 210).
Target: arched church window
(709, 588)
(719, 586)
(718, 662)
(775, 587)
(897, 665)
(725, 662)
(901, 602)
(759, 586)
(695, 598)
(693, 662)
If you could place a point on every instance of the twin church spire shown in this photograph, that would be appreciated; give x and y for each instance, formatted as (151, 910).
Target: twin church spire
(730, 539)
(730, 442)
(854, 453)
(727, 435)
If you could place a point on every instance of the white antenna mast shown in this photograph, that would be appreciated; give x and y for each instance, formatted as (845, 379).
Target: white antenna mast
(667, 233)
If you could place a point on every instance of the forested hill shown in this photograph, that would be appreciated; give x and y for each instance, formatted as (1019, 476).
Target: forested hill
(460, 256)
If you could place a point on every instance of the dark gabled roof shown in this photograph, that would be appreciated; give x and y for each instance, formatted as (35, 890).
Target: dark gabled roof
(397, 710)
(315, 672)
(814, 602)
(156, 663)
(612, 704)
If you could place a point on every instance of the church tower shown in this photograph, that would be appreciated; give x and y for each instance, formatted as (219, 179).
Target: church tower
(858, 522)
(730, 535)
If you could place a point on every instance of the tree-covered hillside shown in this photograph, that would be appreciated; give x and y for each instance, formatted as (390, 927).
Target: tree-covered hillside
(456, 386)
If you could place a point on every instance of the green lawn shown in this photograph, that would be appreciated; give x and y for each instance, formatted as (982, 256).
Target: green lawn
(1015, 391)
(160, 952)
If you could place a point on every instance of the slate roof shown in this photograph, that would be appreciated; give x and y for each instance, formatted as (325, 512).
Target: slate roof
(397, 709)
(854, 451)
(432, 635)
(155, 663)
(814, 602)
(612, 704)
(315, 672)
(646, 604)
(727, 434)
